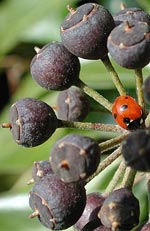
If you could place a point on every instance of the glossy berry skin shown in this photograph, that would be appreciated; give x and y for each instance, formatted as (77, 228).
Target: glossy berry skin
(131, 13)
(127, 113)
(73, 104)
(89, 219)
(32, 122)
(56, 204)
(129, 44)
(54, 67)
(75, 157)
(136, 150)
(41, 169)
(120, 210)
(84, 31)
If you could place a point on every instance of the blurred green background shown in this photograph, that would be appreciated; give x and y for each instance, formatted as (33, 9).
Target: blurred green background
(24, 25)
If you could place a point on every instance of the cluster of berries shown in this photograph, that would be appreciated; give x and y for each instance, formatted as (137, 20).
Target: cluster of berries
(58, 197)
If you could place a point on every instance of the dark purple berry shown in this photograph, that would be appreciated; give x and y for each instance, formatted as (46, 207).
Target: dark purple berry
(136, 150)
(40, 169)
(146, 89)
(57, 205)
(54, 67)
(129, 44)
(120, 210)
(89, 218)
(75, 157)
(32, 122)
(85, 30)
(133, 13)
(73, 104)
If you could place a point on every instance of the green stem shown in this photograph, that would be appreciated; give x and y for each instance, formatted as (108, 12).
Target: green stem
(105, 163)
(109, 144)
(95, 95)
(117, 176)
(128, 178)
(139, 86)
(106, 61)
(89, 126)
(93, 108)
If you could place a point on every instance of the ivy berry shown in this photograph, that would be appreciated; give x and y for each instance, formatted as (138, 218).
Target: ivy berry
(85, 30)
(54, 67)
(32, 122)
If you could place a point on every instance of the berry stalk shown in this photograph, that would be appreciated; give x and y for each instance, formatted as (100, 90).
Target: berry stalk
(139, 86)
(95, 95)
(128, 178)
(118, 84)
(110, 144)
(117, 177)
(89, 126)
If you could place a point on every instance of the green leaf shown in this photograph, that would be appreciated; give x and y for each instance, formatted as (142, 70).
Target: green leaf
(18, 17)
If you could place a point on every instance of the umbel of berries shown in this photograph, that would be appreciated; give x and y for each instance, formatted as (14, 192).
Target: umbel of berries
(54, 67)
(136, 150)
(57, 205)
(75, 157)
(129, 44)
(120, 210)
(32, 121)
(72, 104)
(85, 30)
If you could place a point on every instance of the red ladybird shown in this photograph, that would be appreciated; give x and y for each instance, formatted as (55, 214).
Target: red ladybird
(127, 112)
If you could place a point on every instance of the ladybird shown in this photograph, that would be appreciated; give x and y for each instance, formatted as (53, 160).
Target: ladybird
(127, 112)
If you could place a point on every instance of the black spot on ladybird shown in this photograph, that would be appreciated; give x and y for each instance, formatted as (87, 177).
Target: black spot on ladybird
(115, 115)
(126, 120)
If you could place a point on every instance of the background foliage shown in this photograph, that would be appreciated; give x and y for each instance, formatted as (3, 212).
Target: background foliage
(23, 25)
